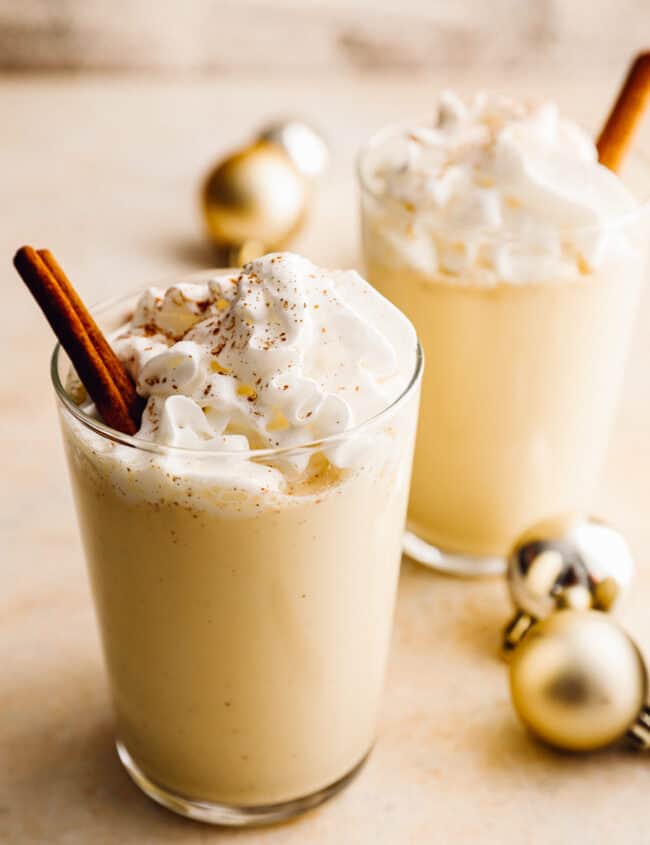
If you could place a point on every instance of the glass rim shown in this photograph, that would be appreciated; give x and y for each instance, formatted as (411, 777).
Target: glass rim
(133, 441)
(393, 130)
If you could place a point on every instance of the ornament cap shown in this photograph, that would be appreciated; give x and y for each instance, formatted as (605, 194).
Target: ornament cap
(515, 631)
(639, 733)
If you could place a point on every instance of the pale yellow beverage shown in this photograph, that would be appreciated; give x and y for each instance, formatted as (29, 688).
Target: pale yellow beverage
(518, 399)
(245, 636)
(522, 283)
(245, 597)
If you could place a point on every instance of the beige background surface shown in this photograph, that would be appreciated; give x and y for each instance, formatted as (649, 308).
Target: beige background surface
(105, 171)
(325, 36)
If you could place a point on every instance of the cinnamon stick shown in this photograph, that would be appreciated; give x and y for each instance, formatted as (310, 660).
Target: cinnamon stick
(69, 319)
(616, 135)
(112, 363)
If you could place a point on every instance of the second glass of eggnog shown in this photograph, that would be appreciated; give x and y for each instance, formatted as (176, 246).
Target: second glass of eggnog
(520, 260)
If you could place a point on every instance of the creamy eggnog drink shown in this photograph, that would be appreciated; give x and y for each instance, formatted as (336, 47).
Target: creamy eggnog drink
(519, 259)
(244, 546)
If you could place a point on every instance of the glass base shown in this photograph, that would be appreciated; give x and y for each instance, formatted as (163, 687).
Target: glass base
(451, 563)
(227, 814)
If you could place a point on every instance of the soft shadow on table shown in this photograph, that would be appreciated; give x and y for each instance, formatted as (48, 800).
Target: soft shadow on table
(511, 754)
(201, 254)
(62, 778)
(473, 611)
(198, 252)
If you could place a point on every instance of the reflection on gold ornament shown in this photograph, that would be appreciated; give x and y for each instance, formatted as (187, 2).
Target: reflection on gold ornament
(577, 563)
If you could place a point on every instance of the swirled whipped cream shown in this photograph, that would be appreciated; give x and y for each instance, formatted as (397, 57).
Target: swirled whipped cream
(278, 355)
(498, 190)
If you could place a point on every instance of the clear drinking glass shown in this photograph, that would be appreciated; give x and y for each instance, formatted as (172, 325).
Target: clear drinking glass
(245, 635)
(521, 383)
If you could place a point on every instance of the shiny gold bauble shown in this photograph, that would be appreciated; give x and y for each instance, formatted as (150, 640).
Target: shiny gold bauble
(558, 555)
(565, 562)
(304, 145)
(255, 199)
(577, 680)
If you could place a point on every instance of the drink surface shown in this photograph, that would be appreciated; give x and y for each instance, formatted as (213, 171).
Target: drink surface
(495, 191)
(276, 355)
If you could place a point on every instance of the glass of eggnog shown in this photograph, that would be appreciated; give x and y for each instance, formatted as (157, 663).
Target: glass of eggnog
(519, 258)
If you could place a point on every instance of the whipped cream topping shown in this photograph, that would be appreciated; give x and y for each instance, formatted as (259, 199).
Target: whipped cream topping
(278, 355)
(498, 190)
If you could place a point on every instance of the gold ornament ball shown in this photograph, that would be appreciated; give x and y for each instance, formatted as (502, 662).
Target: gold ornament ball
(255, 195)
(304, 145)
(577, 680)
(555, 558)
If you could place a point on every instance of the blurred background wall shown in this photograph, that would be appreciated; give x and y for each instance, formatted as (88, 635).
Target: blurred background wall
(331, 36)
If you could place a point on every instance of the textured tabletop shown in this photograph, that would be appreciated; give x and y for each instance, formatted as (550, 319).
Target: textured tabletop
(105, 171)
